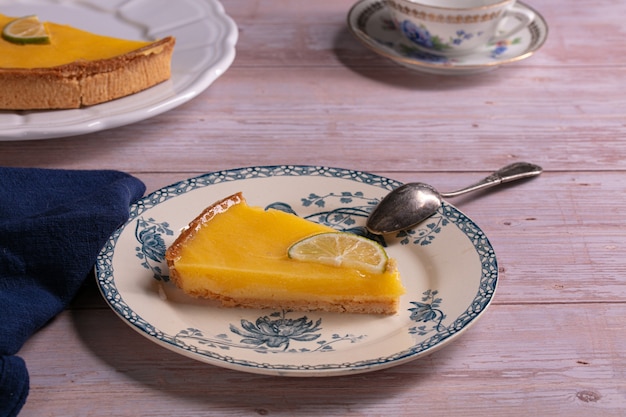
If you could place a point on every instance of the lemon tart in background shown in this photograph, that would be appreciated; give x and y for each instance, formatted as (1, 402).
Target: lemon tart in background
(240, 255)
(76, 68)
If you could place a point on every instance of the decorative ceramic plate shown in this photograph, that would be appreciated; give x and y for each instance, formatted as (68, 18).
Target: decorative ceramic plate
(370, 21)
(205, 48)
(447, 265)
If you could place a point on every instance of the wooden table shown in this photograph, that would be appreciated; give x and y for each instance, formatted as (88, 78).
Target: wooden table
(302, 90)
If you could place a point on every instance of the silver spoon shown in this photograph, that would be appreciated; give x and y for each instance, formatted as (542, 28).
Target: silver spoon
(412, 203)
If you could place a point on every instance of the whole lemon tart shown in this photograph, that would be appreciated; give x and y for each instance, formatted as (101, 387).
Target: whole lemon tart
(240, 255)
(75, 68)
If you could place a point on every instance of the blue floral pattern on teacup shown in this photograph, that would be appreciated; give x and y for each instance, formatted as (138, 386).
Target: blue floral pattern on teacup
(421, 36)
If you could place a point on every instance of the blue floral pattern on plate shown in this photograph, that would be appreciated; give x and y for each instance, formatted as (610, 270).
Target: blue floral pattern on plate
(151, 249)
(274, 333)
(351, 343)
(427, 311)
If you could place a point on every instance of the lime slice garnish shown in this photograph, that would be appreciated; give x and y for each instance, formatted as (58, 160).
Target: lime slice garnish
(26, 30)
(341, 249)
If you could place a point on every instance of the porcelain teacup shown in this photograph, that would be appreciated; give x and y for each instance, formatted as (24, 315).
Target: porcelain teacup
(457, 27)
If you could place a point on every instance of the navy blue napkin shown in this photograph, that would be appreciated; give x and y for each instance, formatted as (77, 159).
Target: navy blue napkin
(53, 224)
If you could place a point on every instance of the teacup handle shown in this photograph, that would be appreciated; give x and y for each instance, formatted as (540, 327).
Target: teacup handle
(523, 15)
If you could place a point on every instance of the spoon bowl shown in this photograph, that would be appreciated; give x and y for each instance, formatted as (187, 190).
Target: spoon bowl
(412, 203)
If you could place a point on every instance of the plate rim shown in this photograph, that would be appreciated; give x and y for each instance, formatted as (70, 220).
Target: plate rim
(103, 275)
(91, 123)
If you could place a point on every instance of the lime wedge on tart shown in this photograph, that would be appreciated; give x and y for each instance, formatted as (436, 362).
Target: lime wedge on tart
(26, 30)
(341, 249)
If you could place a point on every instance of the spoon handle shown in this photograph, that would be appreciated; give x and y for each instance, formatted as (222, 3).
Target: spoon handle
(513, 172)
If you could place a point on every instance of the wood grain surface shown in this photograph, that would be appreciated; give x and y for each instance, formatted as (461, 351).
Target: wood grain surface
(302, 90)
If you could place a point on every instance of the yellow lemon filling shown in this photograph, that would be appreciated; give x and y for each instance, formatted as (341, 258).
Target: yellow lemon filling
(67, 45)
(239, 254)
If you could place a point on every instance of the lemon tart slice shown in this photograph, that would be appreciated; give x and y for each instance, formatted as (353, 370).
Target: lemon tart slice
(239, 255)
(76, 68)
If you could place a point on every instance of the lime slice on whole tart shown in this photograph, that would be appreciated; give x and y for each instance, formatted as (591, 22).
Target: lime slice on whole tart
(341, 249)
(26, 30)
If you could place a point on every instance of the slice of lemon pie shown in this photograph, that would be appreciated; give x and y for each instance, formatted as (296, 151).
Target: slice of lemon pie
(245, 256)
(45, 65)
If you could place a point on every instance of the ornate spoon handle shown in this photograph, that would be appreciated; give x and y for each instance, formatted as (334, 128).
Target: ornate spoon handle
(513, 172)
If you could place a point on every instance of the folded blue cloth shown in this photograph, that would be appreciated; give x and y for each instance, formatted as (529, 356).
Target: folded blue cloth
(53, 223)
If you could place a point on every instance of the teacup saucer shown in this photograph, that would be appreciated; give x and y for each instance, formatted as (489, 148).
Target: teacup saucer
(371, 23)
